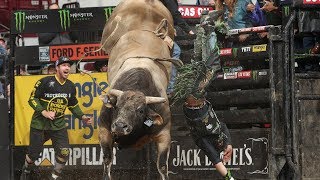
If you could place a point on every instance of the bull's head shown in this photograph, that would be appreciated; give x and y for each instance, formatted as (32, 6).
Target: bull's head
(130, 110)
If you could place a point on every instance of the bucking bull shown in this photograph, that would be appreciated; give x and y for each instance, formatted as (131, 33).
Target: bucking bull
(138, 38)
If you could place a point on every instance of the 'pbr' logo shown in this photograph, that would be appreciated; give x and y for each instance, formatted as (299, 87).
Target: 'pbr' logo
(64, 18)
(20, 20)
(107, 12)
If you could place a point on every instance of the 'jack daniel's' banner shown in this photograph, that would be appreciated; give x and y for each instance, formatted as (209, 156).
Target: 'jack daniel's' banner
(249, 159)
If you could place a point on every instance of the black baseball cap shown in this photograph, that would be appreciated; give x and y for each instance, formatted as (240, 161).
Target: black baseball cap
(63, 59)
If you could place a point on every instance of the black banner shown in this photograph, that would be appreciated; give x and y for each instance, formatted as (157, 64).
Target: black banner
(249, 160)
(36, 55)
(306, 3)
(61, 20)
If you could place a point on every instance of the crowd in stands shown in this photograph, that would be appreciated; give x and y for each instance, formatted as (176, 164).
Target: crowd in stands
(3, 54)
(237, 14)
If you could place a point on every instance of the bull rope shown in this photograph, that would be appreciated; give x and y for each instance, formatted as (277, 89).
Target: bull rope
(157, 32)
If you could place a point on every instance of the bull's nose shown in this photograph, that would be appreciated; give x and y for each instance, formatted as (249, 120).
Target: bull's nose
(121, 128)
(121, 125)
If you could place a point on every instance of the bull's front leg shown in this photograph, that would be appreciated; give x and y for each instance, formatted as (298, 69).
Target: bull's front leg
(106, 143)
(163, 141)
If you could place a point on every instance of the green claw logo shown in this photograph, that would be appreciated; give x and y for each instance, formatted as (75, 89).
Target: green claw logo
(107, 12)
(64, 19)
(235, 52)
(20, 18)
(286, 10)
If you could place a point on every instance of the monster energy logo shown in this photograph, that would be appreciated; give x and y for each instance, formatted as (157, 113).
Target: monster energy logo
(235, 52)
(64, 18)
(107, 12)
(286, 10)
(20, 20)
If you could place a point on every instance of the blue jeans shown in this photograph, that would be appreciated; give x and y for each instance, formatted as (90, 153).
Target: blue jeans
(1, 90)
(3, 53)
(176, 54)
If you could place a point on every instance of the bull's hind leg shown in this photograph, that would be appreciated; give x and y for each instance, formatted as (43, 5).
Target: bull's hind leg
(106, 144)
(163, 141)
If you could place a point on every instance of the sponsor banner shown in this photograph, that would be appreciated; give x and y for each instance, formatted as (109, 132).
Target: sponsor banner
(250, 155)
(88, 97)
(231, 75)
(232, 69)
(226, 52)
(311, 2)
(244, 74)
(24, 21)
(247, 30)
(231, 63)
(253, 52)
(249, 158)
(263, 73)
(238, 75)
(44, 55)
(35, 55)
(192, 11)
(246, 49)
(76, 52)
(259, 48)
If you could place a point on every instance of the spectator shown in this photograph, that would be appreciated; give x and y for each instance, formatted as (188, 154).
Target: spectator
(236, 14)
(51, 69)
(255, 14)
(273, 13)
(89, 67)
(56, 38)
(176, 55)
(23, 70)
(206, 2)
(172, 6)
(3, 53)
(1, 89)
(101, 66)
(8, 94)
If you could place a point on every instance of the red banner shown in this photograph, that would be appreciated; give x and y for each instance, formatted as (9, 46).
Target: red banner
(244, 74)
(311, 1)
(76, 51)
(226, 52)
(189, 12)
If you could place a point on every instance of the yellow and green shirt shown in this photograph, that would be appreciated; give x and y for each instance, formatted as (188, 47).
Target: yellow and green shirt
(51, 95)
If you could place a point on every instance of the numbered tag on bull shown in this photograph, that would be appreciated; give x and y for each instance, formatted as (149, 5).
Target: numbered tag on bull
(148, 122)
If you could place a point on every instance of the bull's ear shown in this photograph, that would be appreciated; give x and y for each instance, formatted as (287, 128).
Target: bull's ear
(108, 101)
(156, 118)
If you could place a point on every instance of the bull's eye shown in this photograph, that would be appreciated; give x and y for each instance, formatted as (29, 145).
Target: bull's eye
(140, 110)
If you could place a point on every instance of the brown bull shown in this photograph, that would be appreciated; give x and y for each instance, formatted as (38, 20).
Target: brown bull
(136, 110)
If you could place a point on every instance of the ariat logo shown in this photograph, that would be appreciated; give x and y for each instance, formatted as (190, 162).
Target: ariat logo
(108, 12)
(64, 15)
(20, 18)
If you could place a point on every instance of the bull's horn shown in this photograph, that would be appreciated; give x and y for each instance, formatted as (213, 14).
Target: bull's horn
(115, 92)
(154, 100)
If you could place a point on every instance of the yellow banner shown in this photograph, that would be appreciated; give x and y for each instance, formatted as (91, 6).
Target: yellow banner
(88, 97)
(259, 48)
